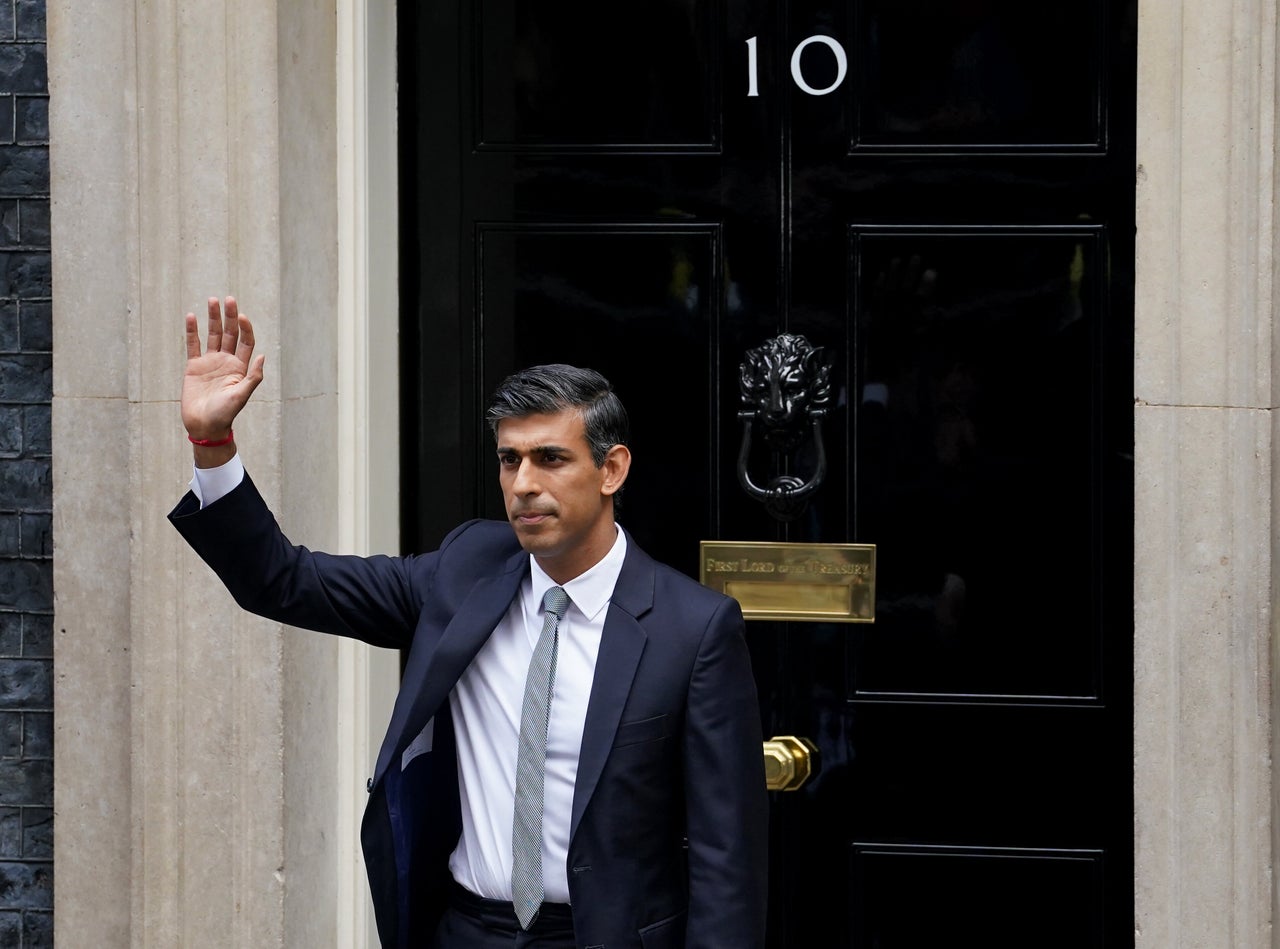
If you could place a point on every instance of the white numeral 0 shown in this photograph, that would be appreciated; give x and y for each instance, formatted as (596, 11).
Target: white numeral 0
(842, 65)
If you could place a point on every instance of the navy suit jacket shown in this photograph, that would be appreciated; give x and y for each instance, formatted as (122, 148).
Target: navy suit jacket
(671, 749)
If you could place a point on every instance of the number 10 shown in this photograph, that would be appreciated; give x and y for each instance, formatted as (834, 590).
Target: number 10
(842, 65)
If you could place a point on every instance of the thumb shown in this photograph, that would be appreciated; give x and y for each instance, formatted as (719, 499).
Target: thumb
(253, 377)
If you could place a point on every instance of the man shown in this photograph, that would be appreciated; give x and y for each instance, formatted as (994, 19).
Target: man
(571, 712)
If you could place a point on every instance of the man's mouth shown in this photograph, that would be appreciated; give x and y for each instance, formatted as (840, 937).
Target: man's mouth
(531, 517)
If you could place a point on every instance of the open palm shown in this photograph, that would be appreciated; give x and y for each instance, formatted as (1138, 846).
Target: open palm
(218, 382)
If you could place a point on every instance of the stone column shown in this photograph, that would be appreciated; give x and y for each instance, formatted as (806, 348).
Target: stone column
(194, 154)
(1205, 475)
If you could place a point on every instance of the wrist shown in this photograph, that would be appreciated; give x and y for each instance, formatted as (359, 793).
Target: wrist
(212, 441)
(213, 457)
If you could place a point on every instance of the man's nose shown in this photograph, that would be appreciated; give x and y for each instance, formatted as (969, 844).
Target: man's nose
(525, 480)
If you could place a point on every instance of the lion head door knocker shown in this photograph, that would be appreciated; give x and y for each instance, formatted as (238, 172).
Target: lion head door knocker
(786, 387)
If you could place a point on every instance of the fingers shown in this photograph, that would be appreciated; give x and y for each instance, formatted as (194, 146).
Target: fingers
(230, 334)
(230, 327)
(193, 337)
(215, 326)
(244, 349)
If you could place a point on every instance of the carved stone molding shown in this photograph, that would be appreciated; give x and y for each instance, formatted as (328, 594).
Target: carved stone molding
(198, 752)
(1204, 569)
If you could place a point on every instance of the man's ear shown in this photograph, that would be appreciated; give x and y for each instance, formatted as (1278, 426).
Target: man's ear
(615, 467)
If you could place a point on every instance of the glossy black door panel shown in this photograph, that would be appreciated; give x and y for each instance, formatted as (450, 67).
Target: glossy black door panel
(576, 75)
(906, 897)
(979, 422)
(982, 75)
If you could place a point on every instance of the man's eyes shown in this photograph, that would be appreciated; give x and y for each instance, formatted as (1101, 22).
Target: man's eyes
(546, 457)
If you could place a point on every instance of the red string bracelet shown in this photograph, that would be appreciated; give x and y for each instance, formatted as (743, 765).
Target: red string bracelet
(212, 442)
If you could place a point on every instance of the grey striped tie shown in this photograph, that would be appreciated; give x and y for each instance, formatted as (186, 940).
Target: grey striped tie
(531, 761)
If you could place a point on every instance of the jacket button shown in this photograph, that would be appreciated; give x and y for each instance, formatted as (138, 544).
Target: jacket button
(368, 786)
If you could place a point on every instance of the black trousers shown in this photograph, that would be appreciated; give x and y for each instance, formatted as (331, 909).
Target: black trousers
(472, 922)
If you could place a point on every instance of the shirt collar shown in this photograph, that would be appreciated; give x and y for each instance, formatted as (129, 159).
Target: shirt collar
(589, 591)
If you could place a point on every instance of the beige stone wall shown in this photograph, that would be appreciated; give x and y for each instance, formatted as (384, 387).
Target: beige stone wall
(1205, 479)
(197, 748)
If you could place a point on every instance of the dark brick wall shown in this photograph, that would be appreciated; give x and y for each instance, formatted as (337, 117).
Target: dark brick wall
(26, 489)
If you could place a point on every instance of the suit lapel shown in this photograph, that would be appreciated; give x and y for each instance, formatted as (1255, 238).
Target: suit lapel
(433, 671)
(621, 645)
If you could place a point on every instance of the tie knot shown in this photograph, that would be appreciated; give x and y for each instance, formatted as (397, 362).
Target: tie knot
(555, 601)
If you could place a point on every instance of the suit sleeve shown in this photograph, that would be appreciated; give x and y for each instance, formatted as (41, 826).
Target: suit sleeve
(726, 801)
(374, 599)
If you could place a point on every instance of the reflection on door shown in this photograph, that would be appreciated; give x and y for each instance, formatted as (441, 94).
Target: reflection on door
(951, 220)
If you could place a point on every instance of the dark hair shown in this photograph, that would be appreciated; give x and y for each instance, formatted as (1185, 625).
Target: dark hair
(546, 390)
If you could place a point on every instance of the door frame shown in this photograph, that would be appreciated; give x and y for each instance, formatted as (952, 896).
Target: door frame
(368, 321)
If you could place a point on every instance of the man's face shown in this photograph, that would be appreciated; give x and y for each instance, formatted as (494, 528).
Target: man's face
(558, 501)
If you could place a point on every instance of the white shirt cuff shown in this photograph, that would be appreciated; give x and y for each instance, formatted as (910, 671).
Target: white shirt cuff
(210, 484)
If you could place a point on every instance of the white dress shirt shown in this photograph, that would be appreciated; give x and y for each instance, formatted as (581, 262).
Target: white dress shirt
(486, 705)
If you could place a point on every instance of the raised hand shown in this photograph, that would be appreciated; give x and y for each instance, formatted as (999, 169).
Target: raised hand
(219, 381)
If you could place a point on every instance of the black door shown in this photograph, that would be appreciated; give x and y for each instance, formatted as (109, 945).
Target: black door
(939, 192)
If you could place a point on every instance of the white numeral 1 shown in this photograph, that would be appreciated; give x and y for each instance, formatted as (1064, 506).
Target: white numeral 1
(752, 88)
